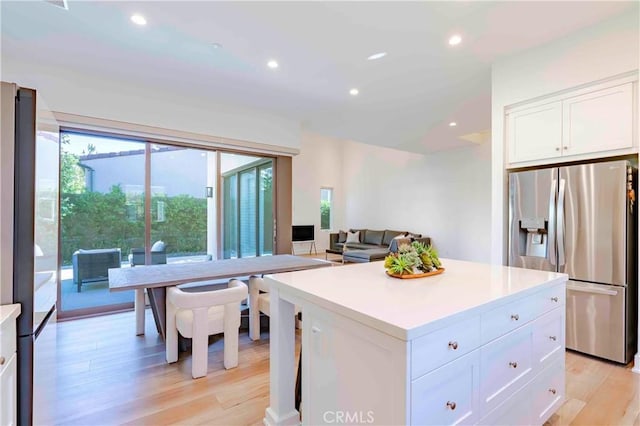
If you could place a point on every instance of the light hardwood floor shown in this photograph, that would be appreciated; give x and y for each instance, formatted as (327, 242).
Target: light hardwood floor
(95, 371)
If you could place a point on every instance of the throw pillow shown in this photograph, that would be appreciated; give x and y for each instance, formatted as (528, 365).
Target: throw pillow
(342, 236)
(353, 237)
(158, 246)
(397, 242)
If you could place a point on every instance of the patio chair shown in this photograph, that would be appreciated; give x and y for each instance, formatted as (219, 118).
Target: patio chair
(158, 254)
(93, 265)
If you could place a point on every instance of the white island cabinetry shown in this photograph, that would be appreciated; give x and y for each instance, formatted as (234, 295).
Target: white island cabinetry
(8, 364)
(477, 344)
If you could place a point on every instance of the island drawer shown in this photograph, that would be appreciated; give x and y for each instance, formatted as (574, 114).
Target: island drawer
(548, 337)
(551, 298)
(508, 317)
(448, 395)
(506, 366)
(517, 409)
(547, 391)
(445, 345)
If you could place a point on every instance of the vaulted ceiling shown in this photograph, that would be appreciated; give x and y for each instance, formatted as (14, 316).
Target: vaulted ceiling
(406, 99)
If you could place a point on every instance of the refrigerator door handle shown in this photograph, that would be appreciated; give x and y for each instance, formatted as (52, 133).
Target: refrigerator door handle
(590, 289)
(551, 232)
(560, 218)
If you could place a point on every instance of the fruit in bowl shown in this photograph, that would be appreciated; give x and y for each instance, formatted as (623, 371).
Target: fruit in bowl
(413, 259)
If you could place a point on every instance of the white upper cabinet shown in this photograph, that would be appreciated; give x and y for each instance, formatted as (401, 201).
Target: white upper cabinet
(535, 133)
(589, 122)
(598, 121)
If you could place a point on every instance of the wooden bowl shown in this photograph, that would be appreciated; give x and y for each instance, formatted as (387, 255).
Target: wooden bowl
(410, 276)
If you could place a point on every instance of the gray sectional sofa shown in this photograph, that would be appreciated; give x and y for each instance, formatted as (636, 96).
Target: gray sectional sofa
(373, 245)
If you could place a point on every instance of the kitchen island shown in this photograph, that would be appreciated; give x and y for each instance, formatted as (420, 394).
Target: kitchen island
(476, 344)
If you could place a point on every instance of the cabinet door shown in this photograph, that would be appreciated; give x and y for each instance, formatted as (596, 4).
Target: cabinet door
(535, 133)
(351, 373)
(8, 380)
(598, 121)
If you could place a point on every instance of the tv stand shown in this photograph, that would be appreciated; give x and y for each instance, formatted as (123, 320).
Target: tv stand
(311, 246)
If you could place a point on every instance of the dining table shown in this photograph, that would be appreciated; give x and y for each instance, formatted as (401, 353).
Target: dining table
(156, 278)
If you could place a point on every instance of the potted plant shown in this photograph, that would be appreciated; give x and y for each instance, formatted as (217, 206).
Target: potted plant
(413, 260)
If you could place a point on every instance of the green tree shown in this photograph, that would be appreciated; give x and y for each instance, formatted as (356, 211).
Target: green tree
(71, 174)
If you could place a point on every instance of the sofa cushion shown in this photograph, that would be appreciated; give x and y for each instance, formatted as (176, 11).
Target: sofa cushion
(342, 236)
(373, 237)
(390, 235)
(353, 237)
(369, 255)
(360, 246)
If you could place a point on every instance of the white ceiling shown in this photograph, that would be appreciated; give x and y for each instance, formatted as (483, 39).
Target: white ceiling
(406, 99)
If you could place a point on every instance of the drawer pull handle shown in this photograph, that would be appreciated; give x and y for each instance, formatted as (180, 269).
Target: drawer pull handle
(453, 345)
(552, 338)
(2, 360)
(316, 329)
(513, 364)
(515, 317)
(554, 299)
(451, 405)
(552, 390)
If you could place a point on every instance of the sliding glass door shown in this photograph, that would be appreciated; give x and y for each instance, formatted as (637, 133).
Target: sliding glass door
(247, 201)
(127, 203)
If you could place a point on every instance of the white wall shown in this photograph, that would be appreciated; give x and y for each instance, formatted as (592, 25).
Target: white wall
(319, 164)
(445, 195)
(95, 96)
(597, 52)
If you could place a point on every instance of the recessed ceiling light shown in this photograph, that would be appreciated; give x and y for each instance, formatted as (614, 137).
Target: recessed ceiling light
(216, 46)
(138, 19)
(272, 64)
(453, 124)
(377, 56)
(354, 92)
(455, 39)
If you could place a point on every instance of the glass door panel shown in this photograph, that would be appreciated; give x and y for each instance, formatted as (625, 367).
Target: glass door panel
(101, 218)
(179, 212)
(247, 203)
(248, 214)
(230, 207)
(265, 210)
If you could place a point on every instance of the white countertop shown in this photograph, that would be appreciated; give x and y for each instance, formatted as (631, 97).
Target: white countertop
(408, 308)
(9, 312)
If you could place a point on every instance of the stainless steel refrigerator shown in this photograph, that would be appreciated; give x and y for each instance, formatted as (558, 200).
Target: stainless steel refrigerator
(582, 220)
(29, 260)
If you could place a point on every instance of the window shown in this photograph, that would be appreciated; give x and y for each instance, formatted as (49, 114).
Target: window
(161, 217)
(326, 205)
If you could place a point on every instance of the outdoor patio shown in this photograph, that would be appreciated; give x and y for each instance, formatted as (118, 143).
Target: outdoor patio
(97, 293)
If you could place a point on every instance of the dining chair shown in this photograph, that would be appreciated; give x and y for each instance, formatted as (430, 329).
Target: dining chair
(259, 302)
(197, 315)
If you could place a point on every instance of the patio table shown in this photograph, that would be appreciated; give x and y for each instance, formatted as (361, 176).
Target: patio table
(156, 278)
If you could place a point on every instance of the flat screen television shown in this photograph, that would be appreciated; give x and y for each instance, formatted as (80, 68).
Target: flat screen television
(302, 233)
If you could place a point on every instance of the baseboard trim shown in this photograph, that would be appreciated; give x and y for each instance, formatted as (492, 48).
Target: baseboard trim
(636, 364)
